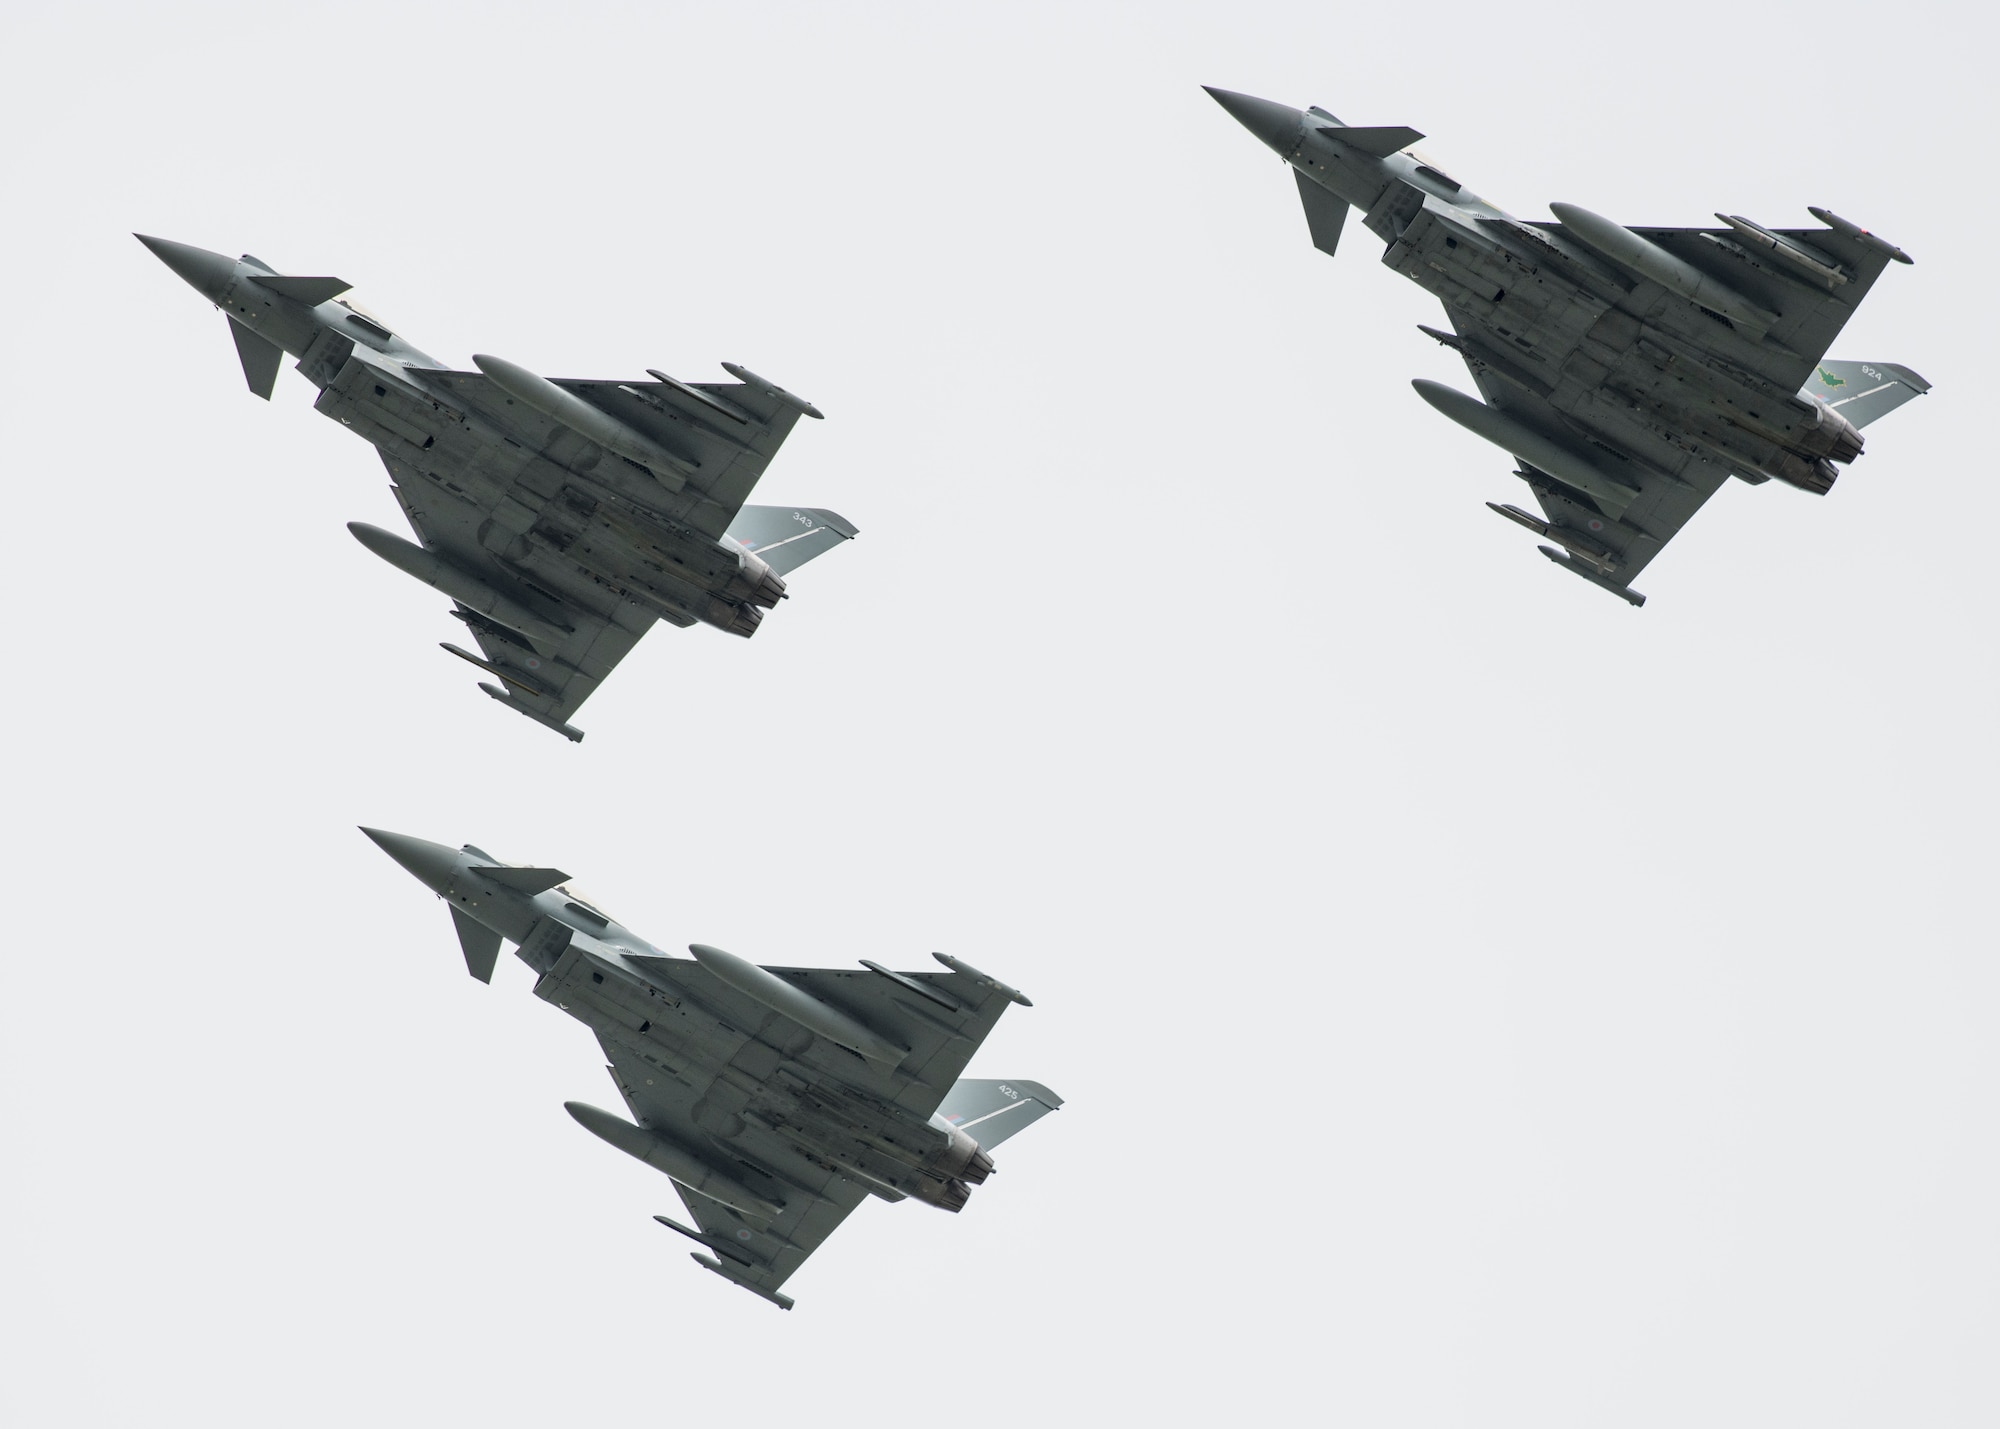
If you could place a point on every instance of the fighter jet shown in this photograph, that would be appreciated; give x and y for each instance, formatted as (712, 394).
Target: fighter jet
(777, 1099)
(1630, 371)
(563, 518)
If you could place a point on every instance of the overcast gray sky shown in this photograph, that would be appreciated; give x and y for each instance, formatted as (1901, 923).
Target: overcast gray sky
(1479, 1003)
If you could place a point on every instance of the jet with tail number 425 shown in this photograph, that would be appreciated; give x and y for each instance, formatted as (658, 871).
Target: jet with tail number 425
(1630, 371)
(777, 1099)
(563, 518)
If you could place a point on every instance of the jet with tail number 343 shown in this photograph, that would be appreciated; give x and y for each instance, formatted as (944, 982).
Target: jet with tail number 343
(563, 518)
(1630, 371)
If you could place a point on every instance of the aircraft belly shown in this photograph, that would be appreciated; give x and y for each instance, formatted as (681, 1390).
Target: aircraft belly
(1536, 310)
(710, 1085)
(547, 503)
(595, 539)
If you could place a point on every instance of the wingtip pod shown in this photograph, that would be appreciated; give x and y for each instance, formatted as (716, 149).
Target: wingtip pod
(1577, 568)
(910, 984)
(568, 731)
(1859, 234)
(772, 390)
(965, 969)
(783, 1302)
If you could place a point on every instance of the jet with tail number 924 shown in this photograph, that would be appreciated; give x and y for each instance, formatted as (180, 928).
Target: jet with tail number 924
(562, 517)
(777, 1099)
(1630, 371)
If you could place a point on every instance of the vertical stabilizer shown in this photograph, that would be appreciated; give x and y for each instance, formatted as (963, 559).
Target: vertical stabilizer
(786, 537)
(1863, 391)
(989, 1112)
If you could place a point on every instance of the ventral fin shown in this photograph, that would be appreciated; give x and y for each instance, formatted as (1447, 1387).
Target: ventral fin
(1325, 212)
(260, 357)
(480, 944)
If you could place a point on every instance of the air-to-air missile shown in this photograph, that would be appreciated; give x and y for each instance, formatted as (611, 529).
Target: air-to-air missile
(777, 1099)
(563, 517)
(1631, 372)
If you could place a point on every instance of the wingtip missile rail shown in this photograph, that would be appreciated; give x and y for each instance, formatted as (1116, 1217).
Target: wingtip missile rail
(965, 969)
(782, 1301)
(1577, 568)
(1858, 233)
(568, 731)
(771, 389)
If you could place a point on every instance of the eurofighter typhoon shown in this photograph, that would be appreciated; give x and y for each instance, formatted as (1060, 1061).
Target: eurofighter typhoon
(563, 518)
(777, 1099)
(1631, 371)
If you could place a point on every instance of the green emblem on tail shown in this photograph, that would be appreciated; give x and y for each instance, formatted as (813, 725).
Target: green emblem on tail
(1830, 380)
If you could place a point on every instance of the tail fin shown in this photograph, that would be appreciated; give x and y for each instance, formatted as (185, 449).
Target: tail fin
(786, 537)
(990, 1112)
(1863, 391)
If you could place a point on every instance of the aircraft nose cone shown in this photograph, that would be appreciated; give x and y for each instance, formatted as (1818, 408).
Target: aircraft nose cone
(205, 272)
(1276, 124)
(430, 864)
